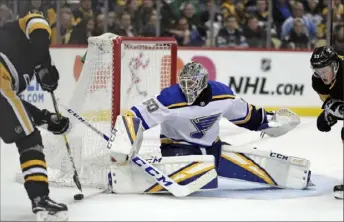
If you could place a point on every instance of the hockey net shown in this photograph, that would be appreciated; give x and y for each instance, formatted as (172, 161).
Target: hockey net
(118, 73)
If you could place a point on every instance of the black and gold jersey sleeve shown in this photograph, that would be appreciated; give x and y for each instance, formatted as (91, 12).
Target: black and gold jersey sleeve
(36, 29)
(32, 22)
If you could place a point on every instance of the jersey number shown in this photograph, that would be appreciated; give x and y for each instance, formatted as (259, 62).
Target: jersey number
(151, 105)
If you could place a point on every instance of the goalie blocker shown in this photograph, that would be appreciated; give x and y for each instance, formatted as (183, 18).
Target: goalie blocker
(243, 163)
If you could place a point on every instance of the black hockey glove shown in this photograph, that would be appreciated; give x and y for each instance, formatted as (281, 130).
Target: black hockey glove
(325, 121)
(54, 125)
(335, 107)
(47, 77)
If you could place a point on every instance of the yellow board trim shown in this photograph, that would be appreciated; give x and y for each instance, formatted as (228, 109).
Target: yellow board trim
(37, 178)
(184, 172)
(248, 166)
(33, 163)
(301, 111)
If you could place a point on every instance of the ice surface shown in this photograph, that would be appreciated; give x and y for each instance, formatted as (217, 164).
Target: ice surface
(234, 201)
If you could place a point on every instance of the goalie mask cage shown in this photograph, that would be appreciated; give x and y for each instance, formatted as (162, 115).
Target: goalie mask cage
(118, 73)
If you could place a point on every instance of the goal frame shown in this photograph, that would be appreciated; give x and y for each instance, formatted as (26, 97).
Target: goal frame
(116, 55)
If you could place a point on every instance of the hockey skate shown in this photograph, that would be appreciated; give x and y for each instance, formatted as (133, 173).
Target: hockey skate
(48, 210)
(338, 192)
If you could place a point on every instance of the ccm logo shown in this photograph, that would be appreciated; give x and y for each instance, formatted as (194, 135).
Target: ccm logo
(76, 115)
(151, 171)
(279, 156)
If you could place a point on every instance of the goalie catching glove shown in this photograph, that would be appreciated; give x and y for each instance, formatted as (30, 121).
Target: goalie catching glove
(278, 123)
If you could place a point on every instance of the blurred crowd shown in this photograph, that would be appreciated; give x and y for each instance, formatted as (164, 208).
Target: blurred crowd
(286, 24)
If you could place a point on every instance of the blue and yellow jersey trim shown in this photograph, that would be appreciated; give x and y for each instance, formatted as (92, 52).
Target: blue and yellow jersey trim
(246, 118)
(182, 175)
(32, 22)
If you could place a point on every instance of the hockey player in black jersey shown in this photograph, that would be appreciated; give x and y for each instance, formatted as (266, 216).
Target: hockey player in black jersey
(24, 52)
(327, 81)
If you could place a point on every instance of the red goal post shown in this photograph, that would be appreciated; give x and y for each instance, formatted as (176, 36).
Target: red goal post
(168, 63)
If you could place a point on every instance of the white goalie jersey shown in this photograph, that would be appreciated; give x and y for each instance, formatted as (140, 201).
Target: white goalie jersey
(196, 124)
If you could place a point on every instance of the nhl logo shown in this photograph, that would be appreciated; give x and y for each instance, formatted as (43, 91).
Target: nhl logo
(202, 103)
(265, 64)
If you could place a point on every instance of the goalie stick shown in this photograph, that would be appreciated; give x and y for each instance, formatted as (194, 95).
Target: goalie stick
(151, 171)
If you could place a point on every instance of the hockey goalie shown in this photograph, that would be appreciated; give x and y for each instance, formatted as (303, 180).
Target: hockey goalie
(192, 154)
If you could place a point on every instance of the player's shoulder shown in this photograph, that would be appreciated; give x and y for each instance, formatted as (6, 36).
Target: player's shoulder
(172, 97)
(221, 91)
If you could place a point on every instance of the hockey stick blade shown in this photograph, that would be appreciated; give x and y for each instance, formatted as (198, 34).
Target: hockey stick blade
(162, 179)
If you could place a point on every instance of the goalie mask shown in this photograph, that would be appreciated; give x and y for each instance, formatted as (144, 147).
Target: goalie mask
(193, 79)
(324, 62)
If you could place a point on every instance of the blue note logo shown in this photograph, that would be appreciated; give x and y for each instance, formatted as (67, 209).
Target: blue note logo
(203, 124)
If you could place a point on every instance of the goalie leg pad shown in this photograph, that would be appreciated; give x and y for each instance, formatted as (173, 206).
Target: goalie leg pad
(265, 167)
(126, 138)
(127, 178)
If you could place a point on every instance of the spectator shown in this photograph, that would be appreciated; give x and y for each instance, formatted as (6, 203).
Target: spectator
(27, 6)
(320, 36)
(298, 12)
(150, 29)
(5, 15)
(84, 11)
(281, 11)
(177, 6)
(125, 28)
(262, 14)
(297, 38)
(234, 8)
(82, 31)
(230, 35)
(185, 36)
(66, 25)
(228, 8)
(99, 25)
(143, 14)
(132, 7)
(205, 21)
(313, 11)
(189, 13)
(254, 34)
(338, 11)
(112, 21)
(338, 40)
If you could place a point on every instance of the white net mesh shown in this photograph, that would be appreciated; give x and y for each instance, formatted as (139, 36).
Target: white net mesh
(146, 67)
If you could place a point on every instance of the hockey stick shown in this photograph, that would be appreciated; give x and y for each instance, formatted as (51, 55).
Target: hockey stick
(151, 171)
(75, 174)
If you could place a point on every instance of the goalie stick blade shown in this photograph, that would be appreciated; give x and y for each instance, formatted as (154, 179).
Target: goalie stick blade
(169, 184)
(196, 185)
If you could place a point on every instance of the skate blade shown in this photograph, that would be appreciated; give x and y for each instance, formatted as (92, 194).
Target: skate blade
(338, 195)
(46, 216)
